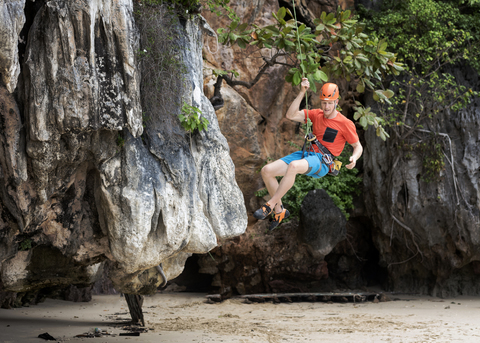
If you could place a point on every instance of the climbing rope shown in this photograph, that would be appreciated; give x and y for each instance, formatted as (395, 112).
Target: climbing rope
(299, 48)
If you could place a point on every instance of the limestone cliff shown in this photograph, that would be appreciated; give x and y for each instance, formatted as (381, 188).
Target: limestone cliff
(83, 176)
(409, 234)
(427, 232)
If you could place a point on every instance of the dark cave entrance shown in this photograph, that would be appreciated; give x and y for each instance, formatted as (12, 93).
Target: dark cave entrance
(191, 280)
(355, 262)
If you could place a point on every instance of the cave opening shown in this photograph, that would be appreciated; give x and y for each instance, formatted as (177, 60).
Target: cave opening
(191, 280)
(355, 262)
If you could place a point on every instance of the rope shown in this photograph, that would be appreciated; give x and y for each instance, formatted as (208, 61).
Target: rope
(300, 52)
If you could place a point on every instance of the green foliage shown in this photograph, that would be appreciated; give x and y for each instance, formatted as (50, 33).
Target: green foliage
(366, 118)
(185, 6)
(120, 140)
(358, 55)
(220, 72)
(433, 162)
(428, 31)
(431, 153)
(218, 7)
(428, 36)
(26, 244)
(341, 189)
(190, 119)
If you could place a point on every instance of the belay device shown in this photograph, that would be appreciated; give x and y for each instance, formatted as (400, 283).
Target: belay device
(331, 161)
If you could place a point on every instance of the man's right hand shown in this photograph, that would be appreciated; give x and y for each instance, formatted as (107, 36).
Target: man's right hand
(305, 84)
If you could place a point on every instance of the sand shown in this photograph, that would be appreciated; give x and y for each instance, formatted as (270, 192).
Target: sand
(188, 317)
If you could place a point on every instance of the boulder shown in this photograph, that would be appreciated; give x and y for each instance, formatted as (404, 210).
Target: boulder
(322, 223)
(261, 261)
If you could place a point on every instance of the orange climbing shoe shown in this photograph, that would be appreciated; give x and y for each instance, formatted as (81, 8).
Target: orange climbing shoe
(263, 211)
(278, 217)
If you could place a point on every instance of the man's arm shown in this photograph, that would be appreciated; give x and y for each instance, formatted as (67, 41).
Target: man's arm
(293, 113)
(357, 152)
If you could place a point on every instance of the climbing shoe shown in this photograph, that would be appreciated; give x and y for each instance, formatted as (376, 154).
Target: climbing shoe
(263, 211)
(278, 217)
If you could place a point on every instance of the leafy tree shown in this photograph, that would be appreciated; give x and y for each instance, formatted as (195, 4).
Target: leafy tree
(337, 47)
(429, 37)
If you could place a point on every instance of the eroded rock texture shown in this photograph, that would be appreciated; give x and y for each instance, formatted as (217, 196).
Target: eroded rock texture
(259, 261)
(253, 120)
(290, 258)
(82, 180)
(12, 19)
(428, 233)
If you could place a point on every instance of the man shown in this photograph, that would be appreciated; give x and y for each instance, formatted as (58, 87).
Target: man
(332, 130)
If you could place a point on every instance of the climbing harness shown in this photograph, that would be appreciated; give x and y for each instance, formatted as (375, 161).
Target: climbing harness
(328, 158)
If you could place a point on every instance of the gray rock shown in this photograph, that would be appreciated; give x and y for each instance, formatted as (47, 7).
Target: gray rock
(12, 19)
(322, 223)
(82, 184)
(427, 233)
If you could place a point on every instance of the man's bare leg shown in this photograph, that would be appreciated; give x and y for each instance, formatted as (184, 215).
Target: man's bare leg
(269, 174)
(294, 168)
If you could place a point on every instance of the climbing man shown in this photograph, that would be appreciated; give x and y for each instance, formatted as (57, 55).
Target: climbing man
(331, 129)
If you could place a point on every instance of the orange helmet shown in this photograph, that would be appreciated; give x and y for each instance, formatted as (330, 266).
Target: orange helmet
(329, 91)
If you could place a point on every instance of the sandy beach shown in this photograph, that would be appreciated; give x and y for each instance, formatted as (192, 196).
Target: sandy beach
(189, 317)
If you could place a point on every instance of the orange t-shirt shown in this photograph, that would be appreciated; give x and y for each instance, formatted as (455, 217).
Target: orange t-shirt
(332, 133)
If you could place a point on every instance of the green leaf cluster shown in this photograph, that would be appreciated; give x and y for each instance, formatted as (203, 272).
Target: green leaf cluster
(430, 38)
(220, 72)
(309, 51)
(365, 117)
(191, 119)
(425, 31)
(26, 244)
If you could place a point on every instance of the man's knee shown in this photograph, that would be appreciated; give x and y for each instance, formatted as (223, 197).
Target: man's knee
(294, 166)
(277, 168)
(267, 170)
(297, 167)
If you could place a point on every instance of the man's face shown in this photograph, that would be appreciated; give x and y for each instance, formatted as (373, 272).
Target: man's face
(328, 107)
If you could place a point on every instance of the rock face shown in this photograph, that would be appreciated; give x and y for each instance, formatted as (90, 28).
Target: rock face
(427, 233)
(12, 19)
(261, 261)
(290, 258)
(251, 119)
(82, 180)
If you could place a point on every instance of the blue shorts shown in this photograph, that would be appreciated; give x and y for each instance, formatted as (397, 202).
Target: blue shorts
(316, 167)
